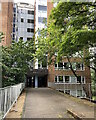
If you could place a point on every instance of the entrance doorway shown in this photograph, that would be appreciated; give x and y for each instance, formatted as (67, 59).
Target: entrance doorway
(30, 82)
(42, 81)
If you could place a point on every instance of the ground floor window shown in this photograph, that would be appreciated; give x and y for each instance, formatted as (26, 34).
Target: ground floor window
(67, 92)
(60, 78)
(79, 79)
(56, 79)
(67, 79)
(79, 93)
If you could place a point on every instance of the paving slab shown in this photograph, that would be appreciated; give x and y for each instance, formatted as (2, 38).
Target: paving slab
(48, 103)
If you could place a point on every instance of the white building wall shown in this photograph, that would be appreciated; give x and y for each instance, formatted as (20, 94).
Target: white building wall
(22, 12)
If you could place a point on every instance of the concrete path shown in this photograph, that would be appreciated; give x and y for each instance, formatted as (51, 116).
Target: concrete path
(48, 103)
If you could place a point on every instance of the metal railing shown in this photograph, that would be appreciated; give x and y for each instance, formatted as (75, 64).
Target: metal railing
(84, 90)
(8, 96)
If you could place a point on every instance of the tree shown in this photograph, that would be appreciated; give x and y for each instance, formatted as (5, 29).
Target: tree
(72, 30)
(15, 61)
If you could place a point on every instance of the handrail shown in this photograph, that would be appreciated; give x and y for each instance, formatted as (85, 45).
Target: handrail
(8, 96)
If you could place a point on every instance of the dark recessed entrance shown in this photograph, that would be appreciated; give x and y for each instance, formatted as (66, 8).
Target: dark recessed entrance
(42, 81)
(30, 82)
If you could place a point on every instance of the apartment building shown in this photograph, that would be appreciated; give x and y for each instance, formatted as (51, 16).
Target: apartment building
(23, 21)
(27, 19)
(59, 75)
(6, 18)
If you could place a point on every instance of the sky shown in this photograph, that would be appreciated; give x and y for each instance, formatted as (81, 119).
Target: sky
(26, 1)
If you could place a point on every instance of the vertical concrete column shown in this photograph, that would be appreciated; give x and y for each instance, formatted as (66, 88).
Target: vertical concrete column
(36, 81)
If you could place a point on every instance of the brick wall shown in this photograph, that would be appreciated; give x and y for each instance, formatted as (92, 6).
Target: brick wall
(6, 18)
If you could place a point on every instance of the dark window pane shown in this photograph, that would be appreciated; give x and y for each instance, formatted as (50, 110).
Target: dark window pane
(30, 30)
(55, 65)
(60, 78)
(13, 29)
(78, 66)
(22, 20)
(29, 39)
(79, 79)
(30, 21)
(41, 7)
(60, 65)
(13, 19)
(67, 92)
(14, 9)
(21, 38)
(66, 65)
(67, 79)
(30, 12)
(55, 78)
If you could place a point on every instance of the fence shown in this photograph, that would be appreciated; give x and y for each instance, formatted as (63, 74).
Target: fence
(76, 89)
(8, 96)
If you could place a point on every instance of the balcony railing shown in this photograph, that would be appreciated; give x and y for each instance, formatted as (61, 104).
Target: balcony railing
(8, 96)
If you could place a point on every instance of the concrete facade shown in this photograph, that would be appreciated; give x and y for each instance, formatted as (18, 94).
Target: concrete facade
(23, 21)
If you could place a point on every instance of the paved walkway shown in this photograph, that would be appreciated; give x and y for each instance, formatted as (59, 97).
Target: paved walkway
(48, 103)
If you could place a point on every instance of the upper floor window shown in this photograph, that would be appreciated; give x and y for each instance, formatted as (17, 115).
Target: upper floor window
(79, 79)
(21, 38)
(14, 9)
(67, 80)
(30, 21)
(22, 20)
(56, 80)
(41, 7)
(31, 12)
(60, 78)
(29, 39)
(60, 65)
(66, 65)
(42, 19)
(30, 30)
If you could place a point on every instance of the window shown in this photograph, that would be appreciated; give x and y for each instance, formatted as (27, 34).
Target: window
(30, 12)
(21, 38)
(60, 78)
(14, 15)
(30, 30)
(79, 79)
(42, 8)
(55, 65)
(73, 79)
(78, 66)
(56, 79)
(14, 25)
(67, 92)
(82, 66)
(22, 20)
(42, 20)
(83, 79)
(29, 39)
(13, 35)
(60, 65)
(74, 65)
(66, 65)
(38, 65)
(13, 29)
(30, 21)
(13, 19)
(79, 93)
(14, 9)
(67, 79)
